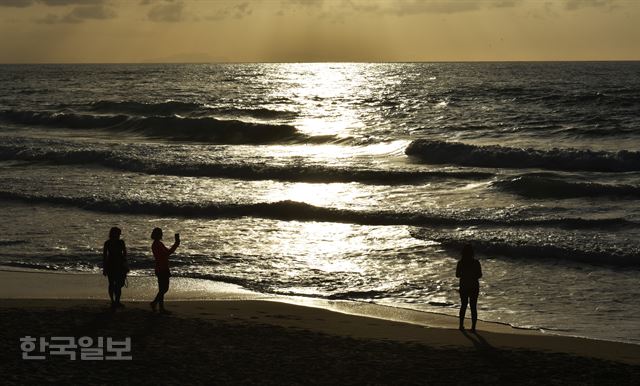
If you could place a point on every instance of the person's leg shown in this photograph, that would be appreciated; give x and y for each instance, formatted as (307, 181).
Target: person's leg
(164, 287)
(474, 310)
(463, 308)
(159, 294)
(110, 278)
(118, 289)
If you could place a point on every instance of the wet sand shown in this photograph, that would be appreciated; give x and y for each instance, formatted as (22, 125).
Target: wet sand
(221, 334)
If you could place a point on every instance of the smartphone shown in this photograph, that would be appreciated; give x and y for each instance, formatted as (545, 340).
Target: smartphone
(177, 236)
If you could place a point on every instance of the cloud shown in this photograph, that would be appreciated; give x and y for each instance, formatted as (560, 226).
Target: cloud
(306, 3)
(49, 19)
(79, 14)
(402, 8)
(506, 3)
(573, 5)
(166, 11)
(89, 12)
(412, 7)
(52, 3)
(16, 3)
(55, 3)
(176, 10)
(237, 11)
(395, 7)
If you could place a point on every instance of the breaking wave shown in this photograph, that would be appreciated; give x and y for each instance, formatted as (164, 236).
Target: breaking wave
(139, 161)
(495, 156)
(176, 128)
(300, 211)
(537, 186)
(549, 246)
(176, 107)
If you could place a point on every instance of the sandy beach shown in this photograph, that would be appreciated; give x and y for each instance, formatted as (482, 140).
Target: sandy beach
(222, 334)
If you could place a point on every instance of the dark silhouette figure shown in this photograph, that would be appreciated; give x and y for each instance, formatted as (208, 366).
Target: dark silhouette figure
(469, 271)
(161, 255)
(114, 265)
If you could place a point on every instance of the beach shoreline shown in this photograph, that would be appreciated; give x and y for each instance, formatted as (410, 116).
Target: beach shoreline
(222, 334)
(83, 285)
(189, 297)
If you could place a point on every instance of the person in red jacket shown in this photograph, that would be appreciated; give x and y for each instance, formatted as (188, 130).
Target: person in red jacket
(161, 255)
(469, 272)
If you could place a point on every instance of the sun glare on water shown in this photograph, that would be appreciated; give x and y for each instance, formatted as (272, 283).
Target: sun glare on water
(325, 90)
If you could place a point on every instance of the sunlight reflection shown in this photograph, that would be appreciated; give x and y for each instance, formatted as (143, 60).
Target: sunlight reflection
(328, 152)
(322, 246)
(325, 195)
(323, 90)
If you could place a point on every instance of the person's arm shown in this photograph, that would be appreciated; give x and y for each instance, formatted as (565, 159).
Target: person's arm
(479, 270)
(173, 248)
(164, 251)
(459, 270)
(124, 249)
(175, 245)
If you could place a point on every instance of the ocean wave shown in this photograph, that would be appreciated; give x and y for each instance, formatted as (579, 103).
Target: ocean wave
(168, 127)
(300, 211)
(34, 265)
(549, 247)
(4, 243)
(537, 186)
(495, 156)
(62, 153)
(169, 108)
(81, 261)
(141, 108)
(348, 295)
(578, 99)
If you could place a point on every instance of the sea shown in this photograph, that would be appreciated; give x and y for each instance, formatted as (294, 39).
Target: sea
(342, 181)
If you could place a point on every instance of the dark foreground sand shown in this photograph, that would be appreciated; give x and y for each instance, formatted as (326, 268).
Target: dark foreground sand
(266, 342)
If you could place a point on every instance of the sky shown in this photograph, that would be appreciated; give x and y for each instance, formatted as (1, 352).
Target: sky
(142, 31)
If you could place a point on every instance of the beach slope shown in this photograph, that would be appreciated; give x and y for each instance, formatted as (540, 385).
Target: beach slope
(218, 334)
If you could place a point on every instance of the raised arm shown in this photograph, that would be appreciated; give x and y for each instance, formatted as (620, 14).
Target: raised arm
(173, 247)
(159, 249)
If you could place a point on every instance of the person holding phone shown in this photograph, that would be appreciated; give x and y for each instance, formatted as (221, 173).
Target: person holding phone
(161, 255)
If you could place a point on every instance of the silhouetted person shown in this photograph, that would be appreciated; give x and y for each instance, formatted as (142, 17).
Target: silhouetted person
(469, 271)
(161, 255)
(114, 265)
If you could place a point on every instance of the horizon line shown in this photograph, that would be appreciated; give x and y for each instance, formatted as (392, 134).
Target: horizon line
(339, 61)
